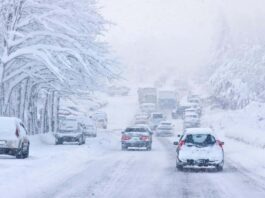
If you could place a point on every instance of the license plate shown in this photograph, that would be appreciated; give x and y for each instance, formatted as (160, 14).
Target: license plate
(135, 138)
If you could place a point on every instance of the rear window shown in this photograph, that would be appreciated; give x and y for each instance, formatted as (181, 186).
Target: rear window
(200, 139)
(135, 130)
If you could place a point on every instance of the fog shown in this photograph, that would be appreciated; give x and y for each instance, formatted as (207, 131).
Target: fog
(160, 37)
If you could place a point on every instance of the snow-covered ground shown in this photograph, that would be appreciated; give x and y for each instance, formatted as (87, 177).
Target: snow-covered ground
(100, 169)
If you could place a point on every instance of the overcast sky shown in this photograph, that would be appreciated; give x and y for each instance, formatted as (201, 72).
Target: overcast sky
(158, 36)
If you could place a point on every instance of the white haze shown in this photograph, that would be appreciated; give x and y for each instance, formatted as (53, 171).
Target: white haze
(154, 37)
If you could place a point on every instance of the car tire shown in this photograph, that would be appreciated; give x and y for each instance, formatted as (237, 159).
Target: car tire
(124, 147)
(26, 154)
(219, 168)
(58, 141)
(179, 167)
(20, 154)
(149, 147)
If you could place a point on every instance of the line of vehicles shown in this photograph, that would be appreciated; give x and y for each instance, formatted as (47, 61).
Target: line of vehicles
(14, 140)
(196, 147)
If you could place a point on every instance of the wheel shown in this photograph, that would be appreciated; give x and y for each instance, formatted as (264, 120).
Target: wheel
(179, 167)
(219, 168)
(58, 141)
(26, 153)
(149, 147)
(23, 152)
(123, 147)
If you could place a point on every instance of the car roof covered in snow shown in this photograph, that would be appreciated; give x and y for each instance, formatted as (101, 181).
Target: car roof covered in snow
(199, 131)
(8, 124)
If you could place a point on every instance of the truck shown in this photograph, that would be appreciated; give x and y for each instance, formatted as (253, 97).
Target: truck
(167, 100)
(147, 95)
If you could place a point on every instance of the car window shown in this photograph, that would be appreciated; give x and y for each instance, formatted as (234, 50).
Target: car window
(136, 130)
(200, 139)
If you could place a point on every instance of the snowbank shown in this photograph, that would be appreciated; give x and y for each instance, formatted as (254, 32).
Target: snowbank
(246, 125)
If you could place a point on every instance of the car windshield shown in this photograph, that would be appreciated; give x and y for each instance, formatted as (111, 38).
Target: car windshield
(200, 139)
(164, 128)
(135, 130)
(166, 123)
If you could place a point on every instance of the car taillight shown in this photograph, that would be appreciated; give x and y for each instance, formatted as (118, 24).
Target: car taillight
(125, 137)
(144, 138)
(220, 143)
(17, 132)
(181, 143)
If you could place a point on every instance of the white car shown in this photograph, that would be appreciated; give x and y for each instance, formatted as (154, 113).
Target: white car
(199, 147)
(191, 120)
(101, 119)
(155, 119)
(165, 128)
(70, 130)
(13, 138)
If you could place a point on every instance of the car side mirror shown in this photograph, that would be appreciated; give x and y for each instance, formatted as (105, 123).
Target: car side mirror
(175, 143)
(222, 143)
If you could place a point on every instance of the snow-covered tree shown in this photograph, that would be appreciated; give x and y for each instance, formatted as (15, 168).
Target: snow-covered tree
(49, 46)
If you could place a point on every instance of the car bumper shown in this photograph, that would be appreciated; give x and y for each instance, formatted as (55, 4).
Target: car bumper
(8, 151)
(137, 144)
(68, 139)
(199, 162)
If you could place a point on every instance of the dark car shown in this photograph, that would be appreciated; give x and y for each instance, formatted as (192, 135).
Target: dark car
(136, 137)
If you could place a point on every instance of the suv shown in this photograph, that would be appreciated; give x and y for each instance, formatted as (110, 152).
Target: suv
(13, 138)
(199, 147)
(136, 136)
(70, 130)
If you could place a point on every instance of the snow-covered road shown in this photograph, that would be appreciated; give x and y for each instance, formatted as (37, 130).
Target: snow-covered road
(100, 169)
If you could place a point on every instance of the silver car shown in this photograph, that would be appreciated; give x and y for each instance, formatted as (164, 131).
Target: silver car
(13, 138)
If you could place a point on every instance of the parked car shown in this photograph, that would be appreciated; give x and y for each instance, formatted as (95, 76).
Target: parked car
(165, 128)
(70, 130)
(199, 147)
(136, 136)
(191, 120)
(13, 138)
(90, 130)
(155, 119)
(101, 119)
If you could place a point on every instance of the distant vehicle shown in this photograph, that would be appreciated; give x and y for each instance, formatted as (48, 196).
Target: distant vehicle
(179, 111)
(147, 95)
(165, 128)
(70, 130)
(136, 137)
(155, 119)
(167, 100)
(191, 120)
(191, 110)
(194, 99)
(118, 91)
(140, 116)
(90, 130)
(199, 147)
(148, 107)
(101, 119)
(13, 138)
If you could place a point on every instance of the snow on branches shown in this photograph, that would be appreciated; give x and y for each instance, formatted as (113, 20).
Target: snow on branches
(49, 46)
